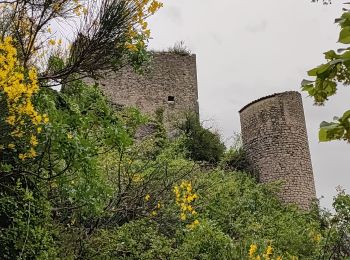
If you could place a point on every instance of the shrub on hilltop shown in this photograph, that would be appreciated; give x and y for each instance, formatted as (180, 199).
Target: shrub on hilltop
(201, 143)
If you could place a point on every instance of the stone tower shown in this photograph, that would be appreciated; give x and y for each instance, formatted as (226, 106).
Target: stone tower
(170, 85)
(275, 138)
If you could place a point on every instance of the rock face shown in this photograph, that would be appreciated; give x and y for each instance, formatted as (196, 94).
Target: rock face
(170, 86)
(275, 138)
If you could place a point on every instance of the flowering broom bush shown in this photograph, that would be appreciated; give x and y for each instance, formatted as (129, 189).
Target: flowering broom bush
(74, 184)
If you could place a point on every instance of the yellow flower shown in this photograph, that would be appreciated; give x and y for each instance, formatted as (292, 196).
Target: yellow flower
(268, 252)
(131, 47)
(147, 33)
(183, 198)
(33, 140)
(56, 7)
(18, 93)
(193, 224)
(21, 156)
(317, 237)
(77, 9)
(137, 178)
(46, 118)
(154, 213)
(32, 153)
(252, 250)
(155, 5)
(183, 216)
(52, 42)
(11, 120)
(69, 136)
(11, 146)
(144, 25)
(147, 197)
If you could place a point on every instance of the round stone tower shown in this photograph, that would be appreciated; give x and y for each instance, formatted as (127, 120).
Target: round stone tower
(275, 138)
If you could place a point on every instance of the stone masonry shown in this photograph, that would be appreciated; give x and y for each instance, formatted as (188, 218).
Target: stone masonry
(170, 85)
(275, 138)
(273, 127)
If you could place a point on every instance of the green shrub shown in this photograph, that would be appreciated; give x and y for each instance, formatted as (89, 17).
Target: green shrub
(206, 241)
(95, 193)
(201, 143)
(250, 212)
(25, 224)
(236, 160)
(138, 239)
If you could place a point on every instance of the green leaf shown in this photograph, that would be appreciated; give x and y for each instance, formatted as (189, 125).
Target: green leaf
(331, 55)
(345, 55)
(322, 68)
(319, 70)
(322, 135)
(346, 115)
(344, 20)
(330, 87)
(325, 124)
(306, 82)
(344, 36)
(335, 61)
(345, 15)
(307, 88)
(312, 72)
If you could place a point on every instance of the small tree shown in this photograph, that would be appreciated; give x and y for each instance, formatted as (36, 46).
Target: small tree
(201, 143)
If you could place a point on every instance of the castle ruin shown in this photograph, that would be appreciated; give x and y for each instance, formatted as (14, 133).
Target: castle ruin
(169, 85)
(275, 139)
(273, 127)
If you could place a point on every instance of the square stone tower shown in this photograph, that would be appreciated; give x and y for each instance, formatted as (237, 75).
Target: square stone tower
(170, 85)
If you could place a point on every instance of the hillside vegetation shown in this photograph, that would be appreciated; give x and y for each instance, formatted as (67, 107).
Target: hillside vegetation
(76, 184)
(93, 192)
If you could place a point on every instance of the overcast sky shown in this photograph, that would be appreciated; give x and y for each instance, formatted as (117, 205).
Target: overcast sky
(249, 49)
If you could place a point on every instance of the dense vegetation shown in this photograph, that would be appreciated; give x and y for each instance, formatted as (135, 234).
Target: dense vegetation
(76, 184)
(94, 193)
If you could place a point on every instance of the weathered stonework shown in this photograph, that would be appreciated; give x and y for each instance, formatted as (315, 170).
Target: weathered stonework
(275, 138)
(273, 127)
(170, 85)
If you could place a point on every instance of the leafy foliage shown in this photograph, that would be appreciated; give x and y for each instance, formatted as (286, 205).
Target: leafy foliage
(336, 244)
(109, 34)
(327, 77)
(201, 143)
(95, 193)
(91, 190)
(139, 239)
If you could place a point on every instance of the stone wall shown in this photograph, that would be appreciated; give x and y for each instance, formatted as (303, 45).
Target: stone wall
(275, 138)
(171, 85)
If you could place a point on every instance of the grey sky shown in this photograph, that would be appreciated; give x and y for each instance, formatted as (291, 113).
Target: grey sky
(249, 49)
